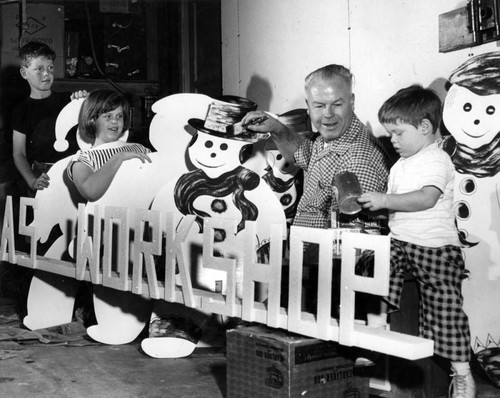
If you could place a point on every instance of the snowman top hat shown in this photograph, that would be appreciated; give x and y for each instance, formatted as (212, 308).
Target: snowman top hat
(224, 117)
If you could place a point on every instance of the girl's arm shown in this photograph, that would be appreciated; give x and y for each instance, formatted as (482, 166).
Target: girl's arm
(93, 185)
(423, 199)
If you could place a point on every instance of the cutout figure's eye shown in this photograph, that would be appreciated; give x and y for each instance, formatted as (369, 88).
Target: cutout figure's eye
(209, 144)
(462, 210)
(468, 186)
(467, 107)
(223, 147)
(490, 110)
(279, 157)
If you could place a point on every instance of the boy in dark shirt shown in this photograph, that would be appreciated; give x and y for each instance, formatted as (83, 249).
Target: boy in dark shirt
(33, 120)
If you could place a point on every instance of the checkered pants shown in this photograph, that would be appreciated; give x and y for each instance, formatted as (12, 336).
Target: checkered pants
(439, 272)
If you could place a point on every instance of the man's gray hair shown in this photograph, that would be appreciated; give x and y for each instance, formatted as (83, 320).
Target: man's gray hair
(327, 73)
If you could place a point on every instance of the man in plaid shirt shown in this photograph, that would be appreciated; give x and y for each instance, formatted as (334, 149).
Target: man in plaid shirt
(341, 143)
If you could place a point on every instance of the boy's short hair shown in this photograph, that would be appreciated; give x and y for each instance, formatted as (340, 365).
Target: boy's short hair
(328, 72)
(411, 105)
(99, 102)
(35, 49)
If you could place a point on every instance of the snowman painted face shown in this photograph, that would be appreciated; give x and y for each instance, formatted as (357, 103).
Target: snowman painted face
(472, 119)
(215, 155)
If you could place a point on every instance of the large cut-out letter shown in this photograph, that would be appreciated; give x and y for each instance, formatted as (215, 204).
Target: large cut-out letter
(31, 231)
(175, 255)
(146, 250)
(322, 327)
(8, 234)
(351, 283)
(227, 265)
(88, 248)
(264, 273)
(116, 219)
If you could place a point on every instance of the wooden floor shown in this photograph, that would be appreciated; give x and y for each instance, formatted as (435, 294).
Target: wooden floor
(109, 371)
(123, 371)
(82, 368)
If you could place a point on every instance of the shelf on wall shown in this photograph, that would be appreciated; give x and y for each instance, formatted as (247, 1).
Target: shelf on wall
(139, 88)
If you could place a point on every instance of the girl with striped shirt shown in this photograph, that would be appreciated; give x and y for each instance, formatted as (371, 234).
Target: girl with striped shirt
(104, 117)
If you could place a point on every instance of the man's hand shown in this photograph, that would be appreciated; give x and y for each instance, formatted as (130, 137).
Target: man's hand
(286, 141)
(262, 122)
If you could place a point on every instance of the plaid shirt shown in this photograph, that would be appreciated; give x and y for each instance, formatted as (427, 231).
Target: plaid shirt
(356, 151)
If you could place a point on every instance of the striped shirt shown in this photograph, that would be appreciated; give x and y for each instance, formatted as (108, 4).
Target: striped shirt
(96, 157)
(356, 151)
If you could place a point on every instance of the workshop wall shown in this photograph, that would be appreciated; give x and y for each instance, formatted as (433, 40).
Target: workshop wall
(268, 47)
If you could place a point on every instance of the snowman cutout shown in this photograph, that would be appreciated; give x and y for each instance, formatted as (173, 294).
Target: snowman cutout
(472, 115)
(283, 177)
(219, 185)
(121, 316)
(55, 219)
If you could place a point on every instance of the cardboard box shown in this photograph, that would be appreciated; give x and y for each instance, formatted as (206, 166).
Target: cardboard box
(44, 22)
(264, 362)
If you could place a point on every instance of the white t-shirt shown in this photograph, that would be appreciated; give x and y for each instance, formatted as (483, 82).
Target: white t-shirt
(433, 227)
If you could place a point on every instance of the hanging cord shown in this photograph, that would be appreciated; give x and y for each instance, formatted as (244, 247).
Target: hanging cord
(349, 30)
(23, 19)
(92, 47)
(120, 26)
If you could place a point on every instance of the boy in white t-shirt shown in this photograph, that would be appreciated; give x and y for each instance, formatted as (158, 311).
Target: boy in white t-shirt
(424, 237)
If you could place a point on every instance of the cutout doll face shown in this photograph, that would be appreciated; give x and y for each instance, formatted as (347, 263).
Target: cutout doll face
(472, 119)
(215, 155)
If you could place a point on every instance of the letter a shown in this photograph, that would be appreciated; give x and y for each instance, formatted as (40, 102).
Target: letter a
(8, 234)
